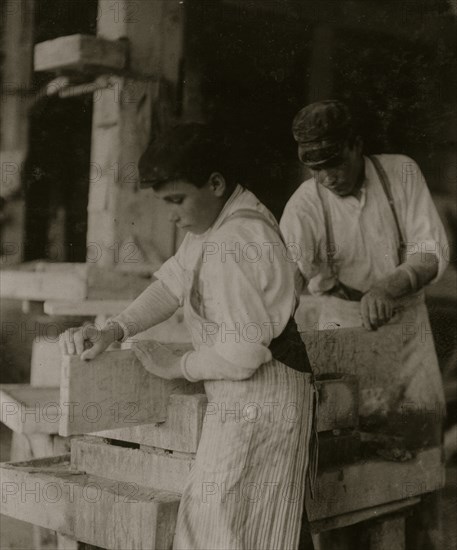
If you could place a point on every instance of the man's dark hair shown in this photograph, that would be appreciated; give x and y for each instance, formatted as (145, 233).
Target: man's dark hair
(191, 152)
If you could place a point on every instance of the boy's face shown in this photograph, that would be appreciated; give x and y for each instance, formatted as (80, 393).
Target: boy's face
(191, 208)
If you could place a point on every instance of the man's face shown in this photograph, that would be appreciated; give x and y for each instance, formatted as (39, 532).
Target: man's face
(343, 177)
(191, 208)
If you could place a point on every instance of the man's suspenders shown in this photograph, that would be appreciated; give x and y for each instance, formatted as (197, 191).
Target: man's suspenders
(331, 246)
(384, 179)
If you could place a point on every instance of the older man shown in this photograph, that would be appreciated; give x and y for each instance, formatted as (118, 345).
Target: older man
(367, 239)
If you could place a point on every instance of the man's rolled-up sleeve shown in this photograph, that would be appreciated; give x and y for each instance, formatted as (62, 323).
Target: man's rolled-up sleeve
(424, 230)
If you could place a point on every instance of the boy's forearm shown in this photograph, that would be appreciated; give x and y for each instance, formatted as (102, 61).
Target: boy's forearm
(153, 306)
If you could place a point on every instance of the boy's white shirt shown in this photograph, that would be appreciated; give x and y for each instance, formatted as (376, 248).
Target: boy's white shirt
(245, 291)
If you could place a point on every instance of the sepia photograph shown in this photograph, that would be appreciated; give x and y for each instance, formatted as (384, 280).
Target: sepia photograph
(228, 279)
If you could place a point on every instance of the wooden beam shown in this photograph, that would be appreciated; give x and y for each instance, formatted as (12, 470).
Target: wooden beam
(90, 509)
(81, 53)
(125, 117)
(374, 357)
(357, 486)
(113, 391)
(31, 282)
(148, 467)
(29, 410)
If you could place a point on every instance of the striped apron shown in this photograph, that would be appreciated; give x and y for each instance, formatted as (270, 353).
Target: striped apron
(246, 489)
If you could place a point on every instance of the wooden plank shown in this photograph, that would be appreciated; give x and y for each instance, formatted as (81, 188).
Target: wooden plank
(26, 285)
(344, 520)
(86, 307)
(180, 432)
(113, 391)
(48, 493)
(148, 467)
(372, 356)
(81, 53)
(67, 281)
(362, 485)
(46, 362)
(338, 402)
(28, 410)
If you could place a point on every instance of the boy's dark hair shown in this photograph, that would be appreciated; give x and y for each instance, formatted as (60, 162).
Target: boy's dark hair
(191, 152)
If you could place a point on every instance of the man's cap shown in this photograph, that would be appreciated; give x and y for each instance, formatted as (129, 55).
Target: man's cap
(322, 129)
(184, 151)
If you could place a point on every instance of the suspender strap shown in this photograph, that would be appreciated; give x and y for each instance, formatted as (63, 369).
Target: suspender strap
(384, 179)
(330, 237)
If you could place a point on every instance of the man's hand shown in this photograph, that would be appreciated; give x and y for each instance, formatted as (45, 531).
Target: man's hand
(158, 359)
(87, 341)
(376, 308)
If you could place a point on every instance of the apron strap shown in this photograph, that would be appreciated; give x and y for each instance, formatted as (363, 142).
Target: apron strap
(254, 215)
(288, 347)
(385, 182)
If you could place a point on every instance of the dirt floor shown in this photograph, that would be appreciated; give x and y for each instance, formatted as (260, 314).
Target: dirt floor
(17, 535)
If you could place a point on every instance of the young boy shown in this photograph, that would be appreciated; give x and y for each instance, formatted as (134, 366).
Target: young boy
(235, 282)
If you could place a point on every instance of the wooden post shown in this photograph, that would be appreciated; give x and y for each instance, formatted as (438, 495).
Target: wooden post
(320, 81)
(18, 29)
(388, 534)
(126, 226)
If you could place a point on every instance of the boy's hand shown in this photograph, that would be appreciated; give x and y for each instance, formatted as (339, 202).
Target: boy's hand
(87, 341)
(158, 359)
